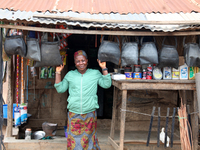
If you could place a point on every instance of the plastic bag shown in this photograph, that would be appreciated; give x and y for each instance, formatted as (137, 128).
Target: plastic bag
(50, 54)
(148, 53)
(129, 53)
(191, 54)
(109, 51)
(168, 56)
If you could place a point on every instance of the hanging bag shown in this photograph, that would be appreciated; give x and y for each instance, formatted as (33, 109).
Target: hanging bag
(50, 54)
(33, 48)
(109, 51)
(148, 52)
(191, 54)
(129, 53)
(15, 45)
(168, 56)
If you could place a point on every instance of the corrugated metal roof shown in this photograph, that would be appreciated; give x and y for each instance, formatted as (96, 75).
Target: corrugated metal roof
(28, 16)
(103, 6)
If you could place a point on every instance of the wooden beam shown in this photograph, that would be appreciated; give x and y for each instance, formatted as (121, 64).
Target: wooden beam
(195, 127)
(100, 32)
(147, 22)
(113, 143)
(9, 103)
(123, 118)
(157, 86)
(114, 112)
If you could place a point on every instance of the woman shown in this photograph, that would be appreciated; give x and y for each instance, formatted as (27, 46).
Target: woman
(82, 101)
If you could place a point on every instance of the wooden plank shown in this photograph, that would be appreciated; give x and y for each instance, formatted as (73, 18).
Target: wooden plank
(114, 111)
(100, 32)
(123, 117)
(117, 84)
(9, 103)
(113, 143)
(197, 80)
(149, 22)
(195, 127)
(158, 86)
(154, 81)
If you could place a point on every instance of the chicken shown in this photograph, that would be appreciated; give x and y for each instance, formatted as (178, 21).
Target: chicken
(162, 137)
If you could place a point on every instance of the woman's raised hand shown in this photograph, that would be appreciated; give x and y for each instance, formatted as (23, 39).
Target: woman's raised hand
(101, 64)
(60, 68)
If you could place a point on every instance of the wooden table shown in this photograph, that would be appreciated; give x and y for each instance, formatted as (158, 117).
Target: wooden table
(125, 85)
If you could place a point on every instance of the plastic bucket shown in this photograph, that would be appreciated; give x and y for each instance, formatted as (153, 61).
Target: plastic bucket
(5, 110)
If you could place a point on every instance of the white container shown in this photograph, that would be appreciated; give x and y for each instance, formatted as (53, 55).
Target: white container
(17, 116)
(175, 73)
(184, 72)
(167, 73)
(157, 73)
(28, 134)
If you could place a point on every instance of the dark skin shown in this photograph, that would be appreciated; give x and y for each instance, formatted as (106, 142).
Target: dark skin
(81, 63)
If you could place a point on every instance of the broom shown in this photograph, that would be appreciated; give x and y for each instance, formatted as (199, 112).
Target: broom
(185, 128)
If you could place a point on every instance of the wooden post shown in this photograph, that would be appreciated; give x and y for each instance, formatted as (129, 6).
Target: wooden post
(112, 132)
(195, 125)
(123, 117)
(197, 80)
(10, 103)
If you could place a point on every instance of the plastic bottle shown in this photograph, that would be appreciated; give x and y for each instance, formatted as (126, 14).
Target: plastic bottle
(175, 73)
(149, 72)
(157, 73)
(184, 72)
(167, 73)
(28, 134)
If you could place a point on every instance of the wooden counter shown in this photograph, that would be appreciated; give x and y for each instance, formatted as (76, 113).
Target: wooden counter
(124, 85)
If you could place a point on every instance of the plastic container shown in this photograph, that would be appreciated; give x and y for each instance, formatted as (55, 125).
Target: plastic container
(28, 134)
(192, 71)
(5, 109)
(17, 116)
(167, 73)
(175, 73)
(184, 72)
(157, 73)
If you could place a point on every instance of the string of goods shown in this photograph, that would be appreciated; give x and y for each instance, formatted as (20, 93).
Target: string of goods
(185, 129)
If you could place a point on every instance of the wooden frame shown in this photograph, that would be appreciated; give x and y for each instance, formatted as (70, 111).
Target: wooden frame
(125, 85)
(102, 32)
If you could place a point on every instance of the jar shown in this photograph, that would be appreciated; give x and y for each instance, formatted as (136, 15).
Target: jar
(28, 134)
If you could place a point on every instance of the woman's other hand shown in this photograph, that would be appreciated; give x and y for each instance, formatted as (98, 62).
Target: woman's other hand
(101, 64)
(60, 68)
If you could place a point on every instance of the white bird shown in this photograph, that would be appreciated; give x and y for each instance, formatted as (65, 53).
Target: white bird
(162, 137)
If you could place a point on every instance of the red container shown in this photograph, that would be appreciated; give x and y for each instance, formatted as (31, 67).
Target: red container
(149, 75)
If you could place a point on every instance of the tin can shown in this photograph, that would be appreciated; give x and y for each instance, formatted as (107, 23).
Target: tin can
(149, 75)
(144, 74)
(137, 75)
(137, 68)
(128, 75)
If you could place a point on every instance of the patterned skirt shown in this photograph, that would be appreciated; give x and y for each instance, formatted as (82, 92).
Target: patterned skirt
(82, 131)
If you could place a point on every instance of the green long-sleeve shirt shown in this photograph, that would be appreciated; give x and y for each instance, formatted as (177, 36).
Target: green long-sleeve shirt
(83, 89)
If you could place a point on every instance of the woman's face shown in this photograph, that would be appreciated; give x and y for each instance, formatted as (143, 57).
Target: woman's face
(81, 63)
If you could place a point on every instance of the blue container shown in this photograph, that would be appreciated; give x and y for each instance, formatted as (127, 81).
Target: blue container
(5, 109)
(137, 75)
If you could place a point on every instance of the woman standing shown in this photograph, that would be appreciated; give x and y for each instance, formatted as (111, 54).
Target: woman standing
(82, 84)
